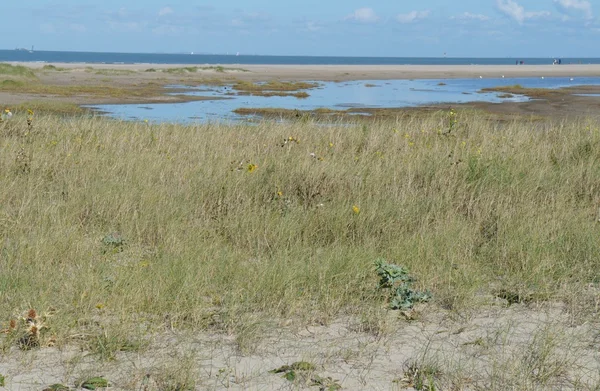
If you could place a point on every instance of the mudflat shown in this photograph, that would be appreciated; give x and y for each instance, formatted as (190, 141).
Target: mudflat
(81, 84)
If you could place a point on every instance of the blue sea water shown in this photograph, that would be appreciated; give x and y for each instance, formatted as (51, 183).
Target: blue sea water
(165, 58)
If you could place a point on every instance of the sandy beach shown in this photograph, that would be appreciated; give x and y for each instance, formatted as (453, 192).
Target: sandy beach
(360, 72)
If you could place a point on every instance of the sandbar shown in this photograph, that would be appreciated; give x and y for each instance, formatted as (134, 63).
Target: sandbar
(360, 72)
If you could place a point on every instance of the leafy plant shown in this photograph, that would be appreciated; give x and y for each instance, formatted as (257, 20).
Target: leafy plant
(2, 381)
(290, 371)
(399, 283)
(94, 383)
(115, 241)
(325, 383)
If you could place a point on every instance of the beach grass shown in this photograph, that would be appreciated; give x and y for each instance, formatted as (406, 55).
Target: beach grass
(16, 71)
(143, 92)
(195, 69)
(120, 229)
(273, 85)
(50, 67)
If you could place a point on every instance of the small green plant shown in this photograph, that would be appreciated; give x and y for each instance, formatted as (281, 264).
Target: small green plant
(325, 383)
(178, 376)
(94, 383)
(113, 241)
(57, 387)
(290, 372)
(2, 381)
(399, 283)
(107, 344)
(421, 377)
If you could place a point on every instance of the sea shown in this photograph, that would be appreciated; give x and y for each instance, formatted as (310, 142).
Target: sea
(24, 55)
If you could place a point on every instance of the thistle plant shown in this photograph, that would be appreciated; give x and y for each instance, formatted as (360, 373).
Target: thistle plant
(399, 283)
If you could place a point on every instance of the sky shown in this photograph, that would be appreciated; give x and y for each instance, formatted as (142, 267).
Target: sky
(390, 28)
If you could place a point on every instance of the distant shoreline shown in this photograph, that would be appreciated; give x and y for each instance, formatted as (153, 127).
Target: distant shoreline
(359, 72)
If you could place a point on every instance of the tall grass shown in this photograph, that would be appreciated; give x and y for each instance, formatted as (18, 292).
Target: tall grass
(207, 225)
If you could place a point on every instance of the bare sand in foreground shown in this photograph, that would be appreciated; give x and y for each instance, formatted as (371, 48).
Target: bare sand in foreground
(360, 72)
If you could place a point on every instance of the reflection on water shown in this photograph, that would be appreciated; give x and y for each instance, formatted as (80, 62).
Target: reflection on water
(340, 96)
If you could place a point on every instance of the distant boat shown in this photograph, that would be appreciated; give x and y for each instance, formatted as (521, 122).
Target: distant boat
(24, 50)
(237, 54)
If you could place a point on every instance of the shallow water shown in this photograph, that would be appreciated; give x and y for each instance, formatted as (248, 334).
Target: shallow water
(337, 96)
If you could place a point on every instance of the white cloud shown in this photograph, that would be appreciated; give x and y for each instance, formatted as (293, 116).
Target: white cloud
(165, 11)
(364, 15)
(470, 16)
(575, 6)
(412, 16)
(313, 26)
(515, 11)
(251, 19)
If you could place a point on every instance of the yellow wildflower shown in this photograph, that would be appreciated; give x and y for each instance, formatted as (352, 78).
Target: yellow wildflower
(252, 167)
(100, 306)
(355, 209)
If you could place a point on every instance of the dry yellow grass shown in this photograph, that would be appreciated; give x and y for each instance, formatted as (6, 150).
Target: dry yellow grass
(139, 226)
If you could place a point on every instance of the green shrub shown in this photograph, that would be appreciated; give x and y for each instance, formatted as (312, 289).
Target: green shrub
(399, 283)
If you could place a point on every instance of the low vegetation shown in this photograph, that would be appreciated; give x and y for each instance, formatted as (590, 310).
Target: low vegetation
(111, 231)
(50, 67)
(194, 69)
(538, 93)
(274, 85)
(16, 71)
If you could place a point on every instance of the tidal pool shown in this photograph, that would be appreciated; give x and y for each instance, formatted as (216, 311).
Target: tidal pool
(336, 96)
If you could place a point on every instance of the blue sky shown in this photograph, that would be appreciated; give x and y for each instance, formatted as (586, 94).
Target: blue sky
(477, 28)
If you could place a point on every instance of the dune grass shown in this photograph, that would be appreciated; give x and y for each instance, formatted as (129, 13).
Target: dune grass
(135, 226)
(16, 70)
(50, 67)
(194, 69)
